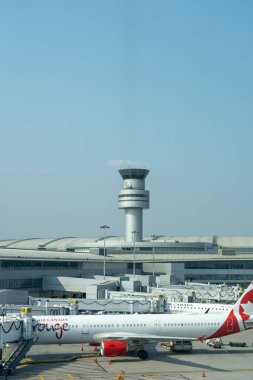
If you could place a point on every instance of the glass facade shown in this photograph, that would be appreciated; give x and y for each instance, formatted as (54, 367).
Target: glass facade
(37, 264)
(232, 271)
(21, 283)
(133, 196)
(237, 278)
(219, 264)
(167, 249)
(137, 266)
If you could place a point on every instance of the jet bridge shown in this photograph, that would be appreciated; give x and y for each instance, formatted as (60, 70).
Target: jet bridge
(16, 338)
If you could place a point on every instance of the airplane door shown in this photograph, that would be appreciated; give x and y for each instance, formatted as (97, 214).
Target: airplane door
(230, 324)
(157, 327)
(85, 327)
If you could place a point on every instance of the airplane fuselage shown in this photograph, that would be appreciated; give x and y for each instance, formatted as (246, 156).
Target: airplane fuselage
(192, 307)
(95, 328)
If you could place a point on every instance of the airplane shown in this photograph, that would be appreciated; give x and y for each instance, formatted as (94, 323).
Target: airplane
(118, 334)
(194, 307)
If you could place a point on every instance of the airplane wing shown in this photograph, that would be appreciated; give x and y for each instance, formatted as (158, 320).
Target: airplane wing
(138, 338)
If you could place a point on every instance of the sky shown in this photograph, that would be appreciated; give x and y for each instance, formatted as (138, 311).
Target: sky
(89, 86)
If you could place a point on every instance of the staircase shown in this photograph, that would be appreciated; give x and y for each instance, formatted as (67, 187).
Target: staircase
(16, 356)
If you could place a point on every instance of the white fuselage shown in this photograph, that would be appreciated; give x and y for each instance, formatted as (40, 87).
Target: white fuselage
(144, 328)
(96, 328)
(192, 307)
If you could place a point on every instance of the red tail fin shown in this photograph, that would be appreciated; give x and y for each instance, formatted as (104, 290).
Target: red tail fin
(235, 321)
(244, 306)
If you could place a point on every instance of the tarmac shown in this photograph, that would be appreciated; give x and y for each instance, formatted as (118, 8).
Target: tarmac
(76, 361)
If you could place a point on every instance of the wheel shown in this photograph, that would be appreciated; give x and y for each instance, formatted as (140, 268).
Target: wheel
(142, 354)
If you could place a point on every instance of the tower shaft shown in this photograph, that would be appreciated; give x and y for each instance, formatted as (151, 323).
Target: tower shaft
(133, 198)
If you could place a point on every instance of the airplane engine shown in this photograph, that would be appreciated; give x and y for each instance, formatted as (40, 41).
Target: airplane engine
(114, 348)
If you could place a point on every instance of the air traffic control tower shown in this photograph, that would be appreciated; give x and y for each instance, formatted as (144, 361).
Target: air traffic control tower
(133, 198)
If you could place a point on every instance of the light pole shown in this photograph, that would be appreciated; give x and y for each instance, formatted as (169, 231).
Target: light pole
(154, 237)
(104, 226)
(134, 234)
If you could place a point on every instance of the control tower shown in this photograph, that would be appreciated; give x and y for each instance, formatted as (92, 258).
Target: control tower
(133, 198)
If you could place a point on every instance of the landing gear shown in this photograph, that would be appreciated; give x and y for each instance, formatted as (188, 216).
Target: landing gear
(142, 355)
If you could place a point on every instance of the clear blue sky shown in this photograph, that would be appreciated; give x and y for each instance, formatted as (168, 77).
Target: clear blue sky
(85, 84)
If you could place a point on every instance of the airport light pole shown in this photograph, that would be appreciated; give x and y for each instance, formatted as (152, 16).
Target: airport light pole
(104, 227)
(134, 235)
(154, 237)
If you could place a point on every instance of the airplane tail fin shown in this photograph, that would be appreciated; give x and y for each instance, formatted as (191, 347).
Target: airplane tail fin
(239, 318)
(244, 305)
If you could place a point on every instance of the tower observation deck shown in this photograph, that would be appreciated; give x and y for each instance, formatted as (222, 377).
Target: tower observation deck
(133, 198)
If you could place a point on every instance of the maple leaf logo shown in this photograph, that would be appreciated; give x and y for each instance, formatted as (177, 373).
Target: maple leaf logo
(247, 308)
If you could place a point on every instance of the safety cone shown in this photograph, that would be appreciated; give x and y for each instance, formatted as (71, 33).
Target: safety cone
(82, 348)
(203, 374)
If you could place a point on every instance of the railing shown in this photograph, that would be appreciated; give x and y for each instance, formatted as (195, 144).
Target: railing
(15, 356)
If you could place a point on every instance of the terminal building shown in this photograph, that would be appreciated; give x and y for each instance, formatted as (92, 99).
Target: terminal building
(26, 264)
